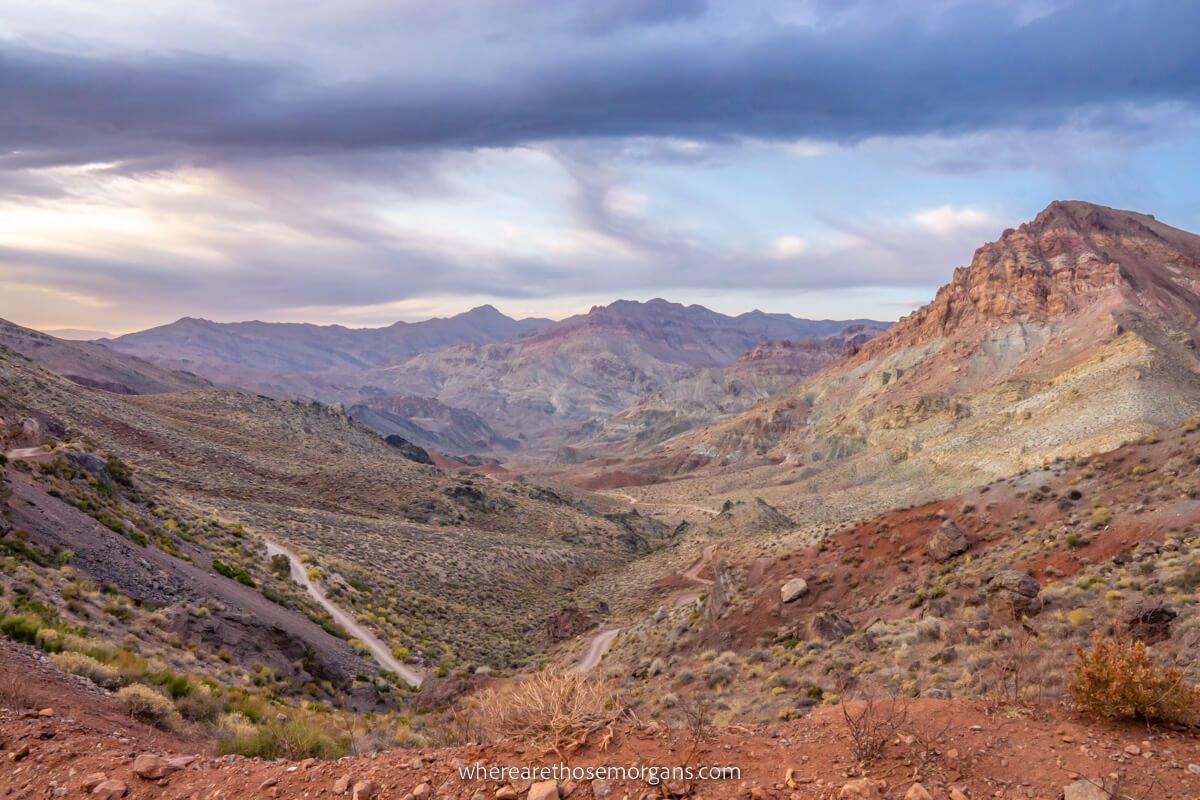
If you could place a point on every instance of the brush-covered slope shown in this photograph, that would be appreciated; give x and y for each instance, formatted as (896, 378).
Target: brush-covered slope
(1069, 335)
(409, 549)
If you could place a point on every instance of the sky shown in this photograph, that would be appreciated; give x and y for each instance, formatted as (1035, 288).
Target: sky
(363, 161)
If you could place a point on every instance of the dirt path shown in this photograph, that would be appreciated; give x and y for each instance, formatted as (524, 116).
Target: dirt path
(377, 648)
(596, 649)
(26, 453)
(600, 642)
(676, 506)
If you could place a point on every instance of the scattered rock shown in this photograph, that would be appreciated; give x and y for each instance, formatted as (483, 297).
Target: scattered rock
(601, 788)
(862, 789)
(151, 767)
(506, 793)
(947, 542)
(422, 792)
(363, 790)
(917, 792)
(956, 794)
(342, 785)
(793, 590)
(20, 753)
(90, 782)
(545, 790)
(110, 790)
(46, 713)
(1086, 790)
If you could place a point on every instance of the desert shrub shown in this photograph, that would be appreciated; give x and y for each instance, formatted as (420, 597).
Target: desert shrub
(175, 684)
(871, 724)
(1118, 679)
(232, 571)
(20, 628)
(1101, 516)
(147, 705)
(87, 667)
(200, 705)
(553, 710)
(294, 738)
(281, 565)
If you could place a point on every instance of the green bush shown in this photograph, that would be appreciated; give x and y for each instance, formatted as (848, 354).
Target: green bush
(232, 571)
(292, 739)
(20, 628)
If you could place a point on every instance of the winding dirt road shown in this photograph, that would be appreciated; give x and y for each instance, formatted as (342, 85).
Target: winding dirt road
(633, 501)
(600, 642)
(380, 651)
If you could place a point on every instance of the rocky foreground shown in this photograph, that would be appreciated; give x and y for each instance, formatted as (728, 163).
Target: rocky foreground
(945, 750)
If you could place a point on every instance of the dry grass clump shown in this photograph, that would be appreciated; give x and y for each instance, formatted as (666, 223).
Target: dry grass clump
(87, 667)
(553, 710)
(1118, 679)
(147, 705)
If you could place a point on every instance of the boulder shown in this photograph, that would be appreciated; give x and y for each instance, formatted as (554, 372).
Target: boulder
(363, 790)
(1014, 594)
(831, 626)
(793, 590)
(1150, 621)
(947, 542)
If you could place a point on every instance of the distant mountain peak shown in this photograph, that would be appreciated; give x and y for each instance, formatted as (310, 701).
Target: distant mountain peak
(1061, 260)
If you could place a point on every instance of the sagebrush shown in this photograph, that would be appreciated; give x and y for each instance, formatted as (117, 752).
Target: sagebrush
(1118, 679)
(553, 710)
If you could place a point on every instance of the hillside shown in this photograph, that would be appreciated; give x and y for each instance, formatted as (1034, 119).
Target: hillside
(412, 547)
(93, 365)
(1067, 336)
(919, 600)
(707, 394)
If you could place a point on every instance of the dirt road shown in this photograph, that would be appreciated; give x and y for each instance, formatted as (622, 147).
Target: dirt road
(26, 453)
(596, 649)
(380, 651)
(600, 642)
(675, 506)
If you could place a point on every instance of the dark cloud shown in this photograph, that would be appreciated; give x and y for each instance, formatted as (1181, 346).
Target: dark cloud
(969, 68)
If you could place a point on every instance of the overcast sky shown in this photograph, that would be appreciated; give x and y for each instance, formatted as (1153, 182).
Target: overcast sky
(363, 161)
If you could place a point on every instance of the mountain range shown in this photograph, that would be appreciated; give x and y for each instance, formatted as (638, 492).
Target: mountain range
(494, 383)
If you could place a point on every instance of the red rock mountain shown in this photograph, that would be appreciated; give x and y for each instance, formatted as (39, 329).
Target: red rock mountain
(1068, 335)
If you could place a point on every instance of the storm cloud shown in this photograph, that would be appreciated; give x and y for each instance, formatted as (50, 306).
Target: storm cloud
(973, 66)
(356, 160)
